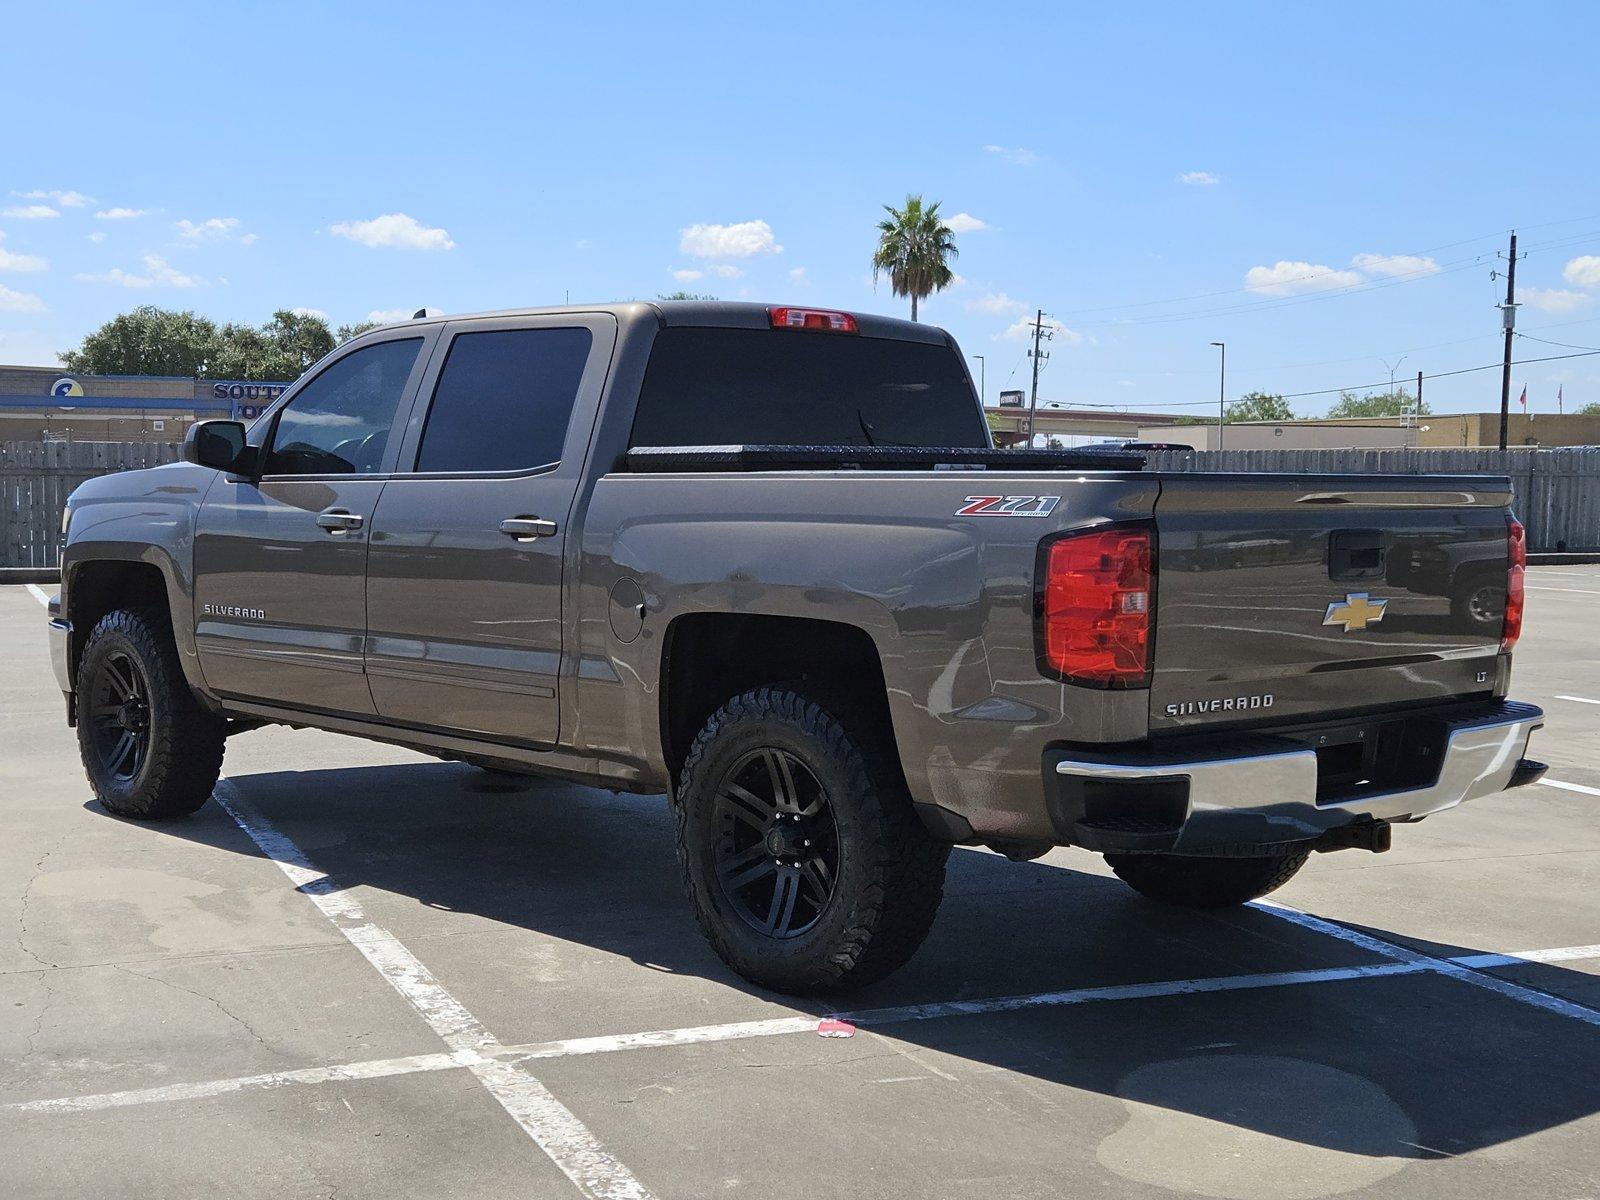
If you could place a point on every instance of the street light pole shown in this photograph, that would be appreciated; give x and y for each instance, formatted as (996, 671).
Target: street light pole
(1222, 389)
(983, 380)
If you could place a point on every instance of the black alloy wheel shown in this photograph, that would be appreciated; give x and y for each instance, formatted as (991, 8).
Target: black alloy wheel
(777, 843)
(119, 716)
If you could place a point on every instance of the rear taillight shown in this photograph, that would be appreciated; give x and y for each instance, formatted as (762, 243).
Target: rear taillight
(1094, 607)
(1515, 575)
(822, 320)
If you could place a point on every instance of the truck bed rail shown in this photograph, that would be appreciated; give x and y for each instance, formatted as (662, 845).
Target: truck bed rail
(663, 459)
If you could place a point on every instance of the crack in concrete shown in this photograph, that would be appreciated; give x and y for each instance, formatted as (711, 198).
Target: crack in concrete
(220, 1006)
(22, 914)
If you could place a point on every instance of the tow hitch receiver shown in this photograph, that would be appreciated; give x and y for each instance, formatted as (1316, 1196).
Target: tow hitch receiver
(1363, 835)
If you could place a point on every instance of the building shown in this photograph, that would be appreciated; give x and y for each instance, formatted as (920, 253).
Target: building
(1441, 431)
(52, 404)
(1009, 423)
(1285, 435)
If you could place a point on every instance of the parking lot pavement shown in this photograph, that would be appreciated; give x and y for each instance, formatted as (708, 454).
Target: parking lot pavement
(361, 971)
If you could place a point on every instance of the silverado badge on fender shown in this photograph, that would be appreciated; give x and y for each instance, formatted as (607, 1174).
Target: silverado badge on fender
(1356, 611)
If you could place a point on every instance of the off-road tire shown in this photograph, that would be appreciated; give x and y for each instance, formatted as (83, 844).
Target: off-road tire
(1194, 881)
(890, 871)
(183, 755)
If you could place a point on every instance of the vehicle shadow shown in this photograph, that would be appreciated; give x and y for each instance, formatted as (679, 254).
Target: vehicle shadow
(1402, 1066)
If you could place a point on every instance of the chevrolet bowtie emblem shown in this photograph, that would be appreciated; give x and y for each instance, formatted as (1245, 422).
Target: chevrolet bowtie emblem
(1355, 611)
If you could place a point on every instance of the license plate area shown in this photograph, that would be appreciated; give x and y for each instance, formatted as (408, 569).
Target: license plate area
(1371, 757)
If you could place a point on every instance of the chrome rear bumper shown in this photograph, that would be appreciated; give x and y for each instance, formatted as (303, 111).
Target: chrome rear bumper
(1262, 790)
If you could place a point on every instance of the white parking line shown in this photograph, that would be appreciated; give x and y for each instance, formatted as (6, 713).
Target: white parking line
(1570, 787)
(782, 1026)
(1533, 587)
(39, 593)
(553, 1126)
(1578, 699)
(1447, 967)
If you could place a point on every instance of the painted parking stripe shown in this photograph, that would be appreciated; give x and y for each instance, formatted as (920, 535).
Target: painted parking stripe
(1578, 699)
(1446, 967)
(1570, 787)
(553, 1127)
(781, 1026)
(38, 593)
(1533, 587)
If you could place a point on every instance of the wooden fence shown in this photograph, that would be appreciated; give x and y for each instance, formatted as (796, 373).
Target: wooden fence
(1557, 490)
(37, 477)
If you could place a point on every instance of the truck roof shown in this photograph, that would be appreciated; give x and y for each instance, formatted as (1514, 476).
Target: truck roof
(724, 314)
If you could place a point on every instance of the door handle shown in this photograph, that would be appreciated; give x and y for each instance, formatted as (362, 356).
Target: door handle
(337, 520)
(526, 528)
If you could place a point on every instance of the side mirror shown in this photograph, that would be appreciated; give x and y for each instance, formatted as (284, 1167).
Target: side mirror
(219, 445)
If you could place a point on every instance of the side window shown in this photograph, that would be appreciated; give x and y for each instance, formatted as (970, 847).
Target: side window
(340, 422)
(503, 400)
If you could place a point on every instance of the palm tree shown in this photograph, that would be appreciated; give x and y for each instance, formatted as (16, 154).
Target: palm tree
(913, 248)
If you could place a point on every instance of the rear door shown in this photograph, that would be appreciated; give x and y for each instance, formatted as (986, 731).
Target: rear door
(1280, 596)
(464, 582)
(280, 562)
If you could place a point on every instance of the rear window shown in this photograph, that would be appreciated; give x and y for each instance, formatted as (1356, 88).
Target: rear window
(713, 387)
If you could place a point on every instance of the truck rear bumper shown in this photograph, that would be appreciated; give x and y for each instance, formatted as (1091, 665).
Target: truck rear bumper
(1249, 792)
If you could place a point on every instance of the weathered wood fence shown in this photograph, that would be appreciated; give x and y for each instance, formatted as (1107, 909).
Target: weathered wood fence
(37, 477)
(1557, 490)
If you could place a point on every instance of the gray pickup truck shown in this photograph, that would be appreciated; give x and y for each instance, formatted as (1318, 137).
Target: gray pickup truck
(767, 561)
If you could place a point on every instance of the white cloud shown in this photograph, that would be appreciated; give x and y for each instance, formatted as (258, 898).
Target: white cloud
(387, 316)
(1015, 155)
(20, 262)
(1555, 300)
(29, 212)
(742, 240)
(687, 275)
(310, 312)
(214, 229)
(1584, 271)
(1022, 331)
(394, 229)
(1199, 178)
(157, 273)
(726, 271)
(97, 236)
(121, 214)
(797, 275)
(965, 223)
(996, 302)
(1292, 278)
(1395, 265)
(19, 302)
(64, 199)
(957, 280)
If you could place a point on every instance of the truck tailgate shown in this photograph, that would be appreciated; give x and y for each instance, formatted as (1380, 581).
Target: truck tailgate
(1285, 596)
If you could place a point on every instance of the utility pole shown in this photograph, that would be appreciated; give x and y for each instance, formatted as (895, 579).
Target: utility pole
(983, 380)
(1508, 312)
(1038, 356)
(1222, 389)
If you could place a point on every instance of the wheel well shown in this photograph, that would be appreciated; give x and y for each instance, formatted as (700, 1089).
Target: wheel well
(712, 657)
(99, 587)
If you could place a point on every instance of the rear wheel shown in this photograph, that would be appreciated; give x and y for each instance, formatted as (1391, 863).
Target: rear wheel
(1195, 881)
(148, 748)
(806, 866)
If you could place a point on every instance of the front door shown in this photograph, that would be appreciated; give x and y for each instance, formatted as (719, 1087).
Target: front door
(464, 608)
(281, 561)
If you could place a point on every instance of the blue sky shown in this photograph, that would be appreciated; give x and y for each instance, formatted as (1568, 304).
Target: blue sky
(1157, 178)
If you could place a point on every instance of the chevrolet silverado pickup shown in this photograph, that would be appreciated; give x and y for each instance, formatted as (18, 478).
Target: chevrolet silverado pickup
(768, 562)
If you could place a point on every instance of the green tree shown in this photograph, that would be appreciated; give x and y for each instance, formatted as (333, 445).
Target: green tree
(1380, 404)
(279, 350)
(147, 341)
(1589, 410)
(346, 333)
(684, 296)
(914, 249)
(1259, 406)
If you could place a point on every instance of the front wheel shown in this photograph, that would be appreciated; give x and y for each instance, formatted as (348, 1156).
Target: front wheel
(149, 749)
(806, 866)
(1195, 881)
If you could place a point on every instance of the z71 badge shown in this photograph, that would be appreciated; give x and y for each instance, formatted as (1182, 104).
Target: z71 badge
(1008, 506)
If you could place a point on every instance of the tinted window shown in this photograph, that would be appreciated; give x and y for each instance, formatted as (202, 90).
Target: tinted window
(708, 387)
(503, 400)
(340, 422)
